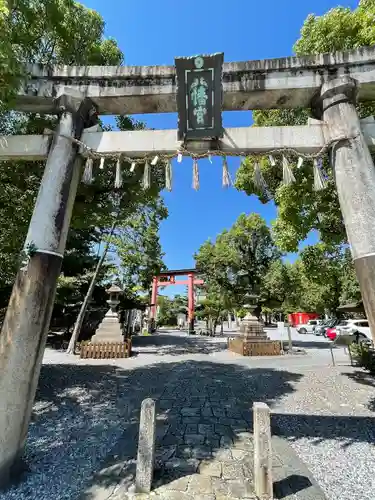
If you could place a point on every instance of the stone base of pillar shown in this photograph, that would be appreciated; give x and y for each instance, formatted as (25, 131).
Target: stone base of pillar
(109, 329)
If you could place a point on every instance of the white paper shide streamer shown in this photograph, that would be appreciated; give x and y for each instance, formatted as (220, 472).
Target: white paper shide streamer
(300, 162)
(118, 179)
(272, 160)
(147, 176)
(168, 175)
(102, 161)
(87, 176)
(195, 175)
(319, 182)
(288, 177)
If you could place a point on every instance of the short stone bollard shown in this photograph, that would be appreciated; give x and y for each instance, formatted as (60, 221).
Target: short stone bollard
(146, 447)
(262, 451)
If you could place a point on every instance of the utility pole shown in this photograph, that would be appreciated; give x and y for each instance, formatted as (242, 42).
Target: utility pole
(25, 329)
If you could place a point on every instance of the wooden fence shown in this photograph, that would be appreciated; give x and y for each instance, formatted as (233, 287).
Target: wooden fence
(106, 350)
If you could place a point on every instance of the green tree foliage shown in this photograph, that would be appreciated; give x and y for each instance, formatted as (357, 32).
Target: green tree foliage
(62, 32)
(320, 280)
(170, 308)
(214, 309)
(236, 263)
(300, 208)
(137, 245)
(278, 286)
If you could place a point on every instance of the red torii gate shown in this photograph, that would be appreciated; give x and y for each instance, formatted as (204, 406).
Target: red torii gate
(171, 280)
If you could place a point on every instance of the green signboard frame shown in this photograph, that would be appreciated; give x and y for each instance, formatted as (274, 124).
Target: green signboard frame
(199, 96)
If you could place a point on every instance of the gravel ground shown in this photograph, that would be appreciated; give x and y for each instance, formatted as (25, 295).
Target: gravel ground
(329, 422)
(83, 407)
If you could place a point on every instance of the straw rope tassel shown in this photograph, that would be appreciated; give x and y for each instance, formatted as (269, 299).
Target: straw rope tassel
(147, 176)
(319, 182)
(288, 177)
(195, 175)
(168, 175)
(87, 173)
(227, 181)
(118, 179)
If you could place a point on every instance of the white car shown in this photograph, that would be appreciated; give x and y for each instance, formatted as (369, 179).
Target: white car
(309, 326)
(352, 326)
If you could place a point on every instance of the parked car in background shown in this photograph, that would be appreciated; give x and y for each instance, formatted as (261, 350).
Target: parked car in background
(322, 329)
(309, 327)
(331, 333)
(357, 327)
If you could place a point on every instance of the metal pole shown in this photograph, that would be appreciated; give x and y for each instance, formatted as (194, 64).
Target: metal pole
(290, 343)
(26, 324)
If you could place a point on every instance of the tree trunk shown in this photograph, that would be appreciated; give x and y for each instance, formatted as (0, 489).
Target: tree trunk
(82, 312)
(215, 326)
(211, 326)
(222, 327)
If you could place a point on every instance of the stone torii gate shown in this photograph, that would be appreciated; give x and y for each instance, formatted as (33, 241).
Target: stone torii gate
(329, 84)
(171, 280)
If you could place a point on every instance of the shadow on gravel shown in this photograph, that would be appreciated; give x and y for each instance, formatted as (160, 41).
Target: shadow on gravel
(364, 378)
(86, 419)
(347, 429)
(310, 344)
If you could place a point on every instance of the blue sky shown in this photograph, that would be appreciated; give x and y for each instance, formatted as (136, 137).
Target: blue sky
(154, 32)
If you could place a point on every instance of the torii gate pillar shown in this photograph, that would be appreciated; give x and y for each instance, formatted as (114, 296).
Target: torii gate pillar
(355, 180)
(24, 333)
(154, 304)
(191, 302)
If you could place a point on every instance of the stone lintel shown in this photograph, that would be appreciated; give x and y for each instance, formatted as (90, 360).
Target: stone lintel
(288, 82)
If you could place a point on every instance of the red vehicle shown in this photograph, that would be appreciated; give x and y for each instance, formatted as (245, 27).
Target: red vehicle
(301, 318)
(331, 333)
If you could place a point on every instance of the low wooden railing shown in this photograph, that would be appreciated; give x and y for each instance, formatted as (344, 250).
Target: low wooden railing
(106, 350)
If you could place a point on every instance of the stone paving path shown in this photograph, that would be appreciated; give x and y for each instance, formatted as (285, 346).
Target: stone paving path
(204, 445)
(82, 443)
(204, 448)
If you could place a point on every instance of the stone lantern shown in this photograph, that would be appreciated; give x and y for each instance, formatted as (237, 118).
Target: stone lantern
(114, 297)
(251, 328)
(110, 328)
